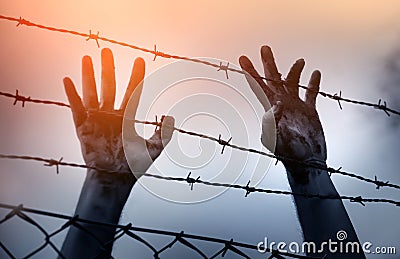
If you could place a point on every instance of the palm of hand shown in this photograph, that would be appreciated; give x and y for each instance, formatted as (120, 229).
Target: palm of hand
(101, 141)
(299, 133)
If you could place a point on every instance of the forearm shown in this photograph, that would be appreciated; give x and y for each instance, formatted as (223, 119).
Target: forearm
(321, 219)
(102, 199)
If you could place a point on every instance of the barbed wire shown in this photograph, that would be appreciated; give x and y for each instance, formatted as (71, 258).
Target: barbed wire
(191, 181)
(181, 237)
(380, 105)
(132, 232)
(23, 99)
(378, 183)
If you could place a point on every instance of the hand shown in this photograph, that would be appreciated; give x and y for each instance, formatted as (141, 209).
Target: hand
(299, 136)
(299, 133)
(99, 125)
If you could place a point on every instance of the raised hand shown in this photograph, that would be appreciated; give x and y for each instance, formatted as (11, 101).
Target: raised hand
(299, 136)
(298, 128)
(103, 142)
(99, 125)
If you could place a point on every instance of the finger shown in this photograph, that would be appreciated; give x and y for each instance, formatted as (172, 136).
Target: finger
(313, 88)
(136, 79)
(89, 84)
(293, 77)
(255, 82)
(268, 135)
(75, 102)
(270, 70)
(107, 80)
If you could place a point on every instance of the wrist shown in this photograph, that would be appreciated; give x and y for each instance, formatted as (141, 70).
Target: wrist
(310, 177)
(104, 195)
(114, 179)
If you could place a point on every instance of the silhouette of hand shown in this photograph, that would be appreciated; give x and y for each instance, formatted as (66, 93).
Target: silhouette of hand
(299, 133)
(99, 125)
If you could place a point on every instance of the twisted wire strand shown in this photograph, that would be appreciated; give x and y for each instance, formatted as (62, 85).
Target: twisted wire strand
(191, 181)
(220, 67)
(378, 183)
(229, 245)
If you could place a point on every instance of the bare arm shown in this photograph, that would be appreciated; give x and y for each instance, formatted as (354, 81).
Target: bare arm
(299, 136)
(99, 129)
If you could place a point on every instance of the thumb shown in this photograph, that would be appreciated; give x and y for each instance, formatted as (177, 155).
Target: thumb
(161, 137)
(167, 129)
(268, 134)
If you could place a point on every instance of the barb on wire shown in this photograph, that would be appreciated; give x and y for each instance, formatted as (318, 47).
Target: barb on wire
(18, 97)
(94, 37)
(358, 199)
(157, 126)
(21, 21)
(223, 143)
(379, 184)
(249, 189)
(227, 143)
(159, 53)
(224, 68)
(382, 107)
(21, 98)
(191, 181)
(333, 170)
(55, 163)
(374, 181)
(338, 98)
(131, 231)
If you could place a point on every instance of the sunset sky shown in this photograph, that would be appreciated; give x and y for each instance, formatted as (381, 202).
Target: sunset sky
(355, 44)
